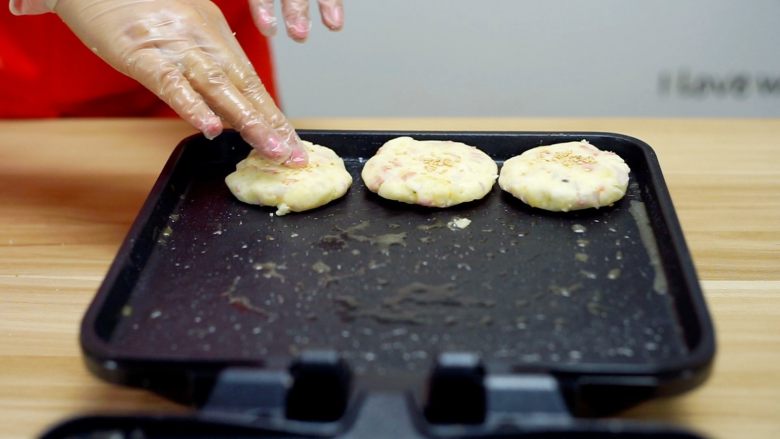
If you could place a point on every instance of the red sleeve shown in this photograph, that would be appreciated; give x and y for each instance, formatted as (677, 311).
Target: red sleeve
(45, 71)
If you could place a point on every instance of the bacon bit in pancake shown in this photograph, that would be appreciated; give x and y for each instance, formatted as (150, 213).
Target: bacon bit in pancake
(407, 175)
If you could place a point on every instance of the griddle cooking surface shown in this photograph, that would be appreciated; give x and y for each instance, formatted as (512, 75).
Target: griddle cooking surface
(390, 285)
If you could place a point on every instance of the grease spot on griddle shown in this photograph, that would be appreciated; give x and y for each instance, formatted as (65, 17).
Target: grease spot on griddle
(347, 301)
(270, 270)
(326, 279)
(242, 302)
(420, 293)
(332, 242)
(427, 227)
(646, 234)
(566, 290)
(320, 267)
(416, 303)
(383, 241)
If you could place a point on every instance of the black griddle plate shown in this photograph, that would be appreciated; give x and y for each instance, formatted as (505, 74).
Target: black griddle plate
(204, 282)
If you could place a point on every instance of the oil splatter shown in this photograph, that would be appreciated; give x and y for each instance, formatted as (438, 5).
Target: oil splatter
(379, 315)
(243, 302)
(347, 301)
(578, 228)
(420, 293)
(639, 212)
(270, 270)
(595, 307)
(166, 233)
(427, 227)
(486, 320)
(332, 242)
(613, 274)
(416, 303)
(565, 291)
(328, 278)
(383, 241)
(581, 257)
(320, 267)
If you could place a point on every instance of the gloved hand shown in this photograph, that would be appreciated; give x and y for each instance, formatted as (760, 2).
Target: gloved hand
(296, 16)
(184, 51)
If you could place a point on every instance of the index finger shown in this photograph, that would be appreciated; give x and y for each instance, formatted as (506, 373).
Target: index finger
(296, 18)
(249, 84)
(210, 80)
(332, 13)
(263, 16)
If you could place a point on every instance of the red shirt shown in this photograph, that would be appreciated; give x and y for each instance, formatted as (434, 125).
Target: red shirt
(45, 71)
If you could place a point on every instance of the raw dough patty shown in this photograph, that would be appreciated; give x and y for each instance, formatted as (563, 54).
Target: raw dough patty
(565, 176)
(259, 181)
(431, 173)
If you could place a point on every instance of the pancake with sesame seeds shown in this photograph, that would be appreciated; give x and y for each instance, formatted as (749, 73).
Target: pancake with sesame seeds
(565, 176)
(433, 173)
(260, 181)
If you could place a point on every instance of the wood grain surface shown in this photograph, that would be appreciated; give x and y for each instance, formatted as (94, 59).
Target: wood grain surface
(69, 190)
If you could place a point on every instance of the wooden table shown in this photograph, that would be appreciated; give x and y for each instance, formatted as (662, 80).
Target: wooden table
(69, 190)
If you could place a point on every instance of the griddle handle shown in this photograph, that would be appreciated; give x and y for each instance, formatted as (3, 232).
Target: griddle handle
(248, 391)
(316, 388)
(456, 390)
(460, 391)
(523, 397)
(321, 385)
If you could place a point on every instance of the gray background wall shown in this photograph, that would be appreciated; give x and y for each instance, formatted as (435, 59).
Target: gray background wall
(537, 58)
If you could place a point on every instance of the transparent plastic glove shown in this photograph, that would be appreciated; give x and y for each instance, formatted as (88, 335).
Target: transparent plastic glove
(296, 16)
(184, 51)
(31, 7)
